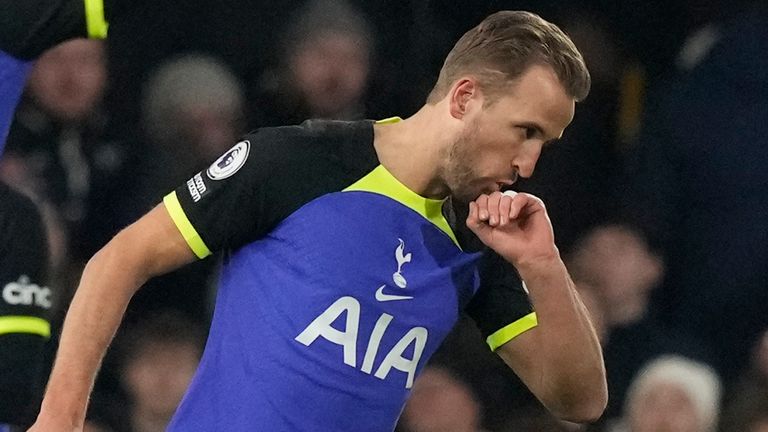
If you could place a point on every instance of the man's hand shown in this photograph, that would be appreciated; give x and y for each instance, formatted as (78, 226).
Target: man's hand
(560, 359)
(514, 225)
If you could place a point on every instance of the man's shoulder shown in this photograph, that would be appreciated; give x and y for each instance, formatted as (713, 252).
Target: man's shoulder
(347, 143)
(317, 131)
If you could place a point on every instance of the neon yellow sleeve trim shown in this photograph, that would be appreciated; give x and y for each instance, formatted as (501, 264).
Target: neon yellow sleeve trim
(511, 331)
(94, 19)
(189, 232)
(25, 324)
(389, 120)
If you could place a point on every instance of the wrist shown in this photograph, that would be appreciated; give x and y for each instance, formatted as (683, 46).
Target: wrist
(538, 266)
(63, 409)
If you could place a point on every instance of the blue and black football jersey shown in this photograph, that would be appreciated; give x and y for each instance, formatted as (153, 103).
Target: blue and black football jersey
(339, 283)
(25, 307)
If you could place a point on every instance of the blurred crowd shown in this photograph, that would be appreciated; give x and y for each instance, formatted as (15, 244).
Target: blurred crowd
(658, 191)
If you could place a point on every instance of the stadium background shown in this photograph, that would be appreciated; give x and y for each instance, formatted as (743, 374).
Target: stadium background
(671, 129)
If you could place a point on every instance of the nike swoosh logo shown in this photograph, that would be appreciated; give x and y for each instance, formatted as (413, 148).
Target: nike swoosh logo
(380, 296)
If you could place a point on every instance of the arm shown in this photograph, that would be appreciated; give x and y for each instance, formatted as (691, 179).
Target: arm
(151, 246)
(25, 306)
(560, 360)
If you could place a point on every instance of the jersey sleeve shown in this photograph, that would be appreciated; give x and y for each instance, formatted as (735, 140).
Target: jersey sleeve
(246, 192)
(25, 305)
(501, 307)
(29, 27)
(13, 75)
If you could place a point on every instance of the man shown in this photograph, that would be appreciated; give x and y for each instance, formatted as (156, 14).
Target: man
(344, 272)
(160, 357)
(27, 29)
(30, 27)
(324, 68)
(25, 308)
(440, 401)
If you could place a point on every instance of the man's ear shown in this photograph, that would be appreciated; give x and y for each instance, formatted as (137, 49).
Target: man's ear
(460, 95)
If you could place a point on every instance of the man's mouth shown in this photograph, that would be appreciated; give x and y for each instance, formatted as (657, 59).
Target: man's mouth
(506, 183)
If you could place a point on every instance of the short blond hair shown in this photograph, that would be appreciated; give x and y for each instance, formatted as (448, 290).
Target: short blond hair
(504, 46)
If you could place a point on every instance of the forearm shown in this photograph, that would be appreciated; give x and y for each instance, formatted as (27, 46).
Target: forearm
(150, 247)
(571, 370)
(106, 287)
(560, 360)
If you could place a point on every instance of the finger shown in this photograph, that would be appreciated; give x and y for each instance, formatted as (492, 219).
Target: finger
(518, 204)
(525, 204)
(482, 207)
(472, 216)
(505, 205)
(493, 209)
(473, 220)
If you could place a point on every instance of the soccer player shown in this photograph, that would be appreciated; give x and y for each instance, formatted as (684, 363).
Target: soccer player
(25, 308)
(351, 248)
(29, 27)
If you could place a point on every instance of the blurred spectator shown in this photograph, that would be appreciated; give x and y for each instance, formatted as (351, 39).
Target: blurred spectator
(439, 402)
(326, 64)
(700, 189)
(673, 394)
(747, 406)
(615, 273)
(192, 112)
(51, 146)
(159, 359)
(617, 264)
(55, 151)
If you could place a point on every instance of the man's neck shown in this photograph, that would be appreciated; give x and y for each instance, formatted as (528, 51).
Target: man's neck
(411, 150)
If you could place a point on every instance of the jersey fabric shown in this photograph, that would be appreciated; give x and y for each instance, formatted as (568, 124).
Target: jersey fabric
(13, 74)
(29, 27)
(339, 283)
(24, 307)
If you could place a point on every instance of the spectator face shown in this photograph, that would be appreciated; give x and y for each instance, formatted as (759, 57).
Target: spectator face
(208, 132)
(330, 72)
(440, 403)
(621, 270)
(500, 140)
(759, 426)
(159, 375)
(761, 356)
(664, 408)
(192, 107)
(68, 80)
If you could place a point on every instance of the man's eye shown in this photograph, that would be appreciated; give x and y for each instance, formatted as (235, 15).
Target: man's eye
(530, 133)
